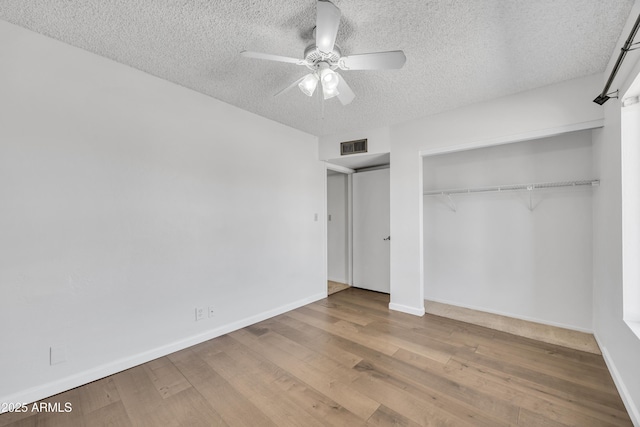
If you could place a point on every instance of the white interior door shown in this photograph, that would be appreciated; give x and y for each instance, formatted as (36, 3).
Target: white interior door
(371, 245)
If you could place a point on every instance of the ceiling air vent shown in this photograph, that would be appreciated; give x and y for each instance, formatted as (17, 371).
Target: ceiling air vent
(353, 147)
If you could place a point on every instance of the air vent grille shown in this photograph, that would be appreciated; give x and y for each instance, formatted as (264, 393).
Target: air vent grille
(353, 147)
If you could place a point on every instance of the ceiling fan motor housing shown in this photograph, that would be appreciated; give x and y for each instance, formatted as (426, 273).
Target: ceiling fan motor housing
(313, 56)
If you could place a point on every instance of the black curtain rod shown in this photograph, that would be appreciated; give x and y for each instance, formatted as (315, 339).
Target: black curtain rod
(604, 97)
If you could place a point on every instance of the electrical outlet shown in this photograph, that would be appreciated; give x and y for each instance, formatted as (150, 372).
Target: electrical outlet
(199, 313)
(211, 311)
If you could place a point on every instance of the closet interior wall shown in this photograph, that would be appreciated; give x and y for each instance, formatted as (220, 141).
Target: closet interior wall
(502, 253)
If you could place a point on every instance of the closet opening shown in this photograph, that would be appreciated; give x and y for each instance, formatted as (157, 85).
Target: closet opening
(507, 231)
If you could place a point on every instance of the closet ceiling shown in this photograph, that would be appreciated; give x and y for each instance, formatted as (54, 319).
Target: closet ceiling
(458, 52)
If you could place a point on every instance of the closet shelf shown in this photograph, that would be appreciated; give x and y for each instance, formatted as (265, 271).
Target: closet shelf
(514, 187)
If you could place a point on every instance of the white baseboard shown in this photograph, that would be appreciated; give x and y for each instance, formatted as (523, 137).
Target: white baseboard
(46, 390)
(632, 409)
(416, 311)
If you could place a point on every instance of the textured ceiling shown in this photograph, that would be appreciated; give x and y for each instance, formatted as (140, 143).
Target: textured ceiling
(458, 51)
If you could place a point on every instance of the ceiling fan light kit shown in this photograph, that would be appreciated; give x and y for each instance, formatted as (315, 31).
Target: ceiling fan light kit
(323, 58)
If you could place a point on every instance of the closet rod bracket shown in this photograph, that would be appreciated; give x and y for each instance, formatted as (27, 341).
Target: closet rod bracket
(451, 203)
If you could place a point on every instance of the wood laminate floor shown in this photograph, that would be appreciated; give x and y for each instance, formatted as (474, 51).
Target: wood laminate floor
(348, 361)
(333, 287)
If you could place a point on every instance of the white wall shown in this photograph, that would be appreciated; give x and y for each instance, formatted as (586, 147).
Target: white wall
(127, 201)
(630, 171)
(494, 254)
(337, 238)
(620, 346)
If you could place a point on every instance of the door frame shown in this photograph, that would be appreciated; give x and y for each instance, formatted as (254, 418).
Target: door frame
(349, 250)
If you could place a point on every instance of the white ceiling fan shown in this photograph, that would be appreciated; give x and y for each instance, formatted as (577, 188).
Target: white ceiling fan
(323, 59)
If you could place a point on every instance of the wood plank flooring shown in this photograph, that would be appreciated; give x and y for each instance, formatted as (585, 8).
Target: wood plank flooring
(537, 331)
(333, 287)
(349, 361)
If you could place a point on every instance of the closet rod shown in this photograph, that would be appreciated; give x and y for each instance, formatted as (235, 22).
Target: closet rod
(516, 187)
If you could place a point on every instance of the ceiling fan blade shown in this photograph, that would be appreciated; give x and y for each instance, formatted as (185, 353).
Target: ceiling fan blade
(327, 22)
(373, 61)
(345, 94)
(270, 57)
(291, 86)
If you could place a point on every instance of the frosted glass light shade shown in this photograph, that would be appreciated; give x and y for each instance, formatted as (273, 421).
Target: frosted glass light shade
(308, 84)
(329, 92)
(329, 78)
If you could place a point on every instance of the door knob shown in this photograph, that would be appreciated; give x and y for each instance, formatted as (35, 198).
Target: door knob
(387, 238)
